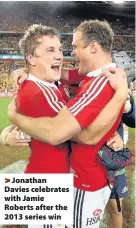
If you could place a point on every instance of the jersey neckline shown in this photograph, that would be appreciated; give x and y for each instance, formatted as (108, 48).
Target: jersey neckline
(34, 79)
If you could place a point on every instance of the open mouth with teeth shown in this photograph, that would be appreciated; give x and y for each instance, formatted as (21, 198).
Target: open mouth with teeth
(56, 67)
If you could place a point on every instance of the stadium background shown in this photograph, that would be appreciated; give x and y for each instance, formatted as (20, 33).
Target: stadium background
(15, 17)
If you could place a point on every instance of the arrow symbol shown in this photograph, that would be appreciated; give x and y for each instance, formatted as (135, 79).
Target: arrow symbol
(7, 180)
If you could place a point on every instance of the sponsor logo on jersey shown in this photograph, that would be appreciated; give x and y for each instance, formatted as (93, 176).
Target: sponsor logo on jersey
(97, 212)
(91, 221)
(95, 219)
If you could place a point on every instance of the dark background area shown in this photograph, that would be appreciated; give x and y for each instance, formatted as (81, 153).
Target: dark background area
(21, 14)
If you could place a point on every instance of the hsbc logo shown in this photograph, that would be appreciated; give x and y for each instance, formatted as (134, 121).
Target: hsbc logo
(97, 212)
(95, 219)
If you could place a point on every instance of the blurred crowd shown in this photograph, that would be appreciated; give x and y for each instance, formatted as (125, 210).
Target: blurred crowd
(124, 43)
(9, 44)
(17, 16)
(6, 67)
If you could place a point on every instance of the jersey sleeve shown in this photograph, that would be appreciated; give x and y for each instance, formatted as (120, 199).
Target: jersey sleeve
(32, 104)
(87, 105)
(74, 77)
(37, 102)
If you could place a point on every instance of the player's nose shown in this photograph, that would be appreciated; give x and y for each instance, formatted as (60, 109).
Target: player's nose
(59, 55)
(73, 53)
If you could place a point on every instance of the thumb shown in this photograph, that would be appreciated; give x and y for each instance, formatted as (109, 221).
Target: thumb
(108, 75)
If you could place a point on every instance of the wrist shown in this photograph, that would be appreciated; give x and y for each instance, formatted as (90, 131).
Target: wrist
(13, 117)
(121, 96)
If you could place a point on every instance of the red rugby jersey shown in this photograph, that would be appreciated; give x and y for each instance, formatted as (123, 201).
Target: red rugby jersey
(74, 77)
(93, 94)
(69, 88)
(37, 99)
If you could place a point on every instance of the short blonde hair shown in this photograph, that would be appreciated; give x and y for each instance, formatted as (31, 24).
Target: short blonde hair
(30, 40)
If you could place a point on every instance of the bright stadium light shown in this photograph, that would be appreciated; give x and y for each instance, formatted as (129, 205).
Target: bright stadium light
(118, 1)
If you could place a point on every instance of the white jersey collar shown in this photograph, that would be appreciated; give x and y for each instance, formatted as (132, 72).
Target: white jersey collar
(97, 72)
(34, 79)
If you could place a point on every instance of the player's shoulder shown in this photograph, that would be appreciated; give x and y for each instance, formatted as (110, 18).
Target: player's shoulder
(29, 88)
(95, 85)
(98, 81)
(29, 91)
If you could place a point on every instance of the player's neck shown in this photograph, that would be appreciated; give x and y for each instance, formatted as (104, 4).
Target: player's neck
(37, 74)
(104, 59)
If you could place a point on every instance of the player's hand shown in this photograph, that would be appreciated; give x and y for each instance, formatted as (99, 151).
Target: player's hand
(18, 138)
(19, 76)
(116, 142)
(118, 80)
(12, 109)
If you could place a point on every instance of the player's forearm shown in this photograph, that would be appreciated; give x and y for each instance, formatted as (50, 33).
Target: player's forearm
(105, 120)
(83, 137)
(50, 130)
(35, 126)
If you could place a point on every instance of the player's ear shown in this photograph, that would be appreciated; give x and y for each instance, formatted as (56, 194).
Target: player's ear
(30, 59)
(93, 46)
